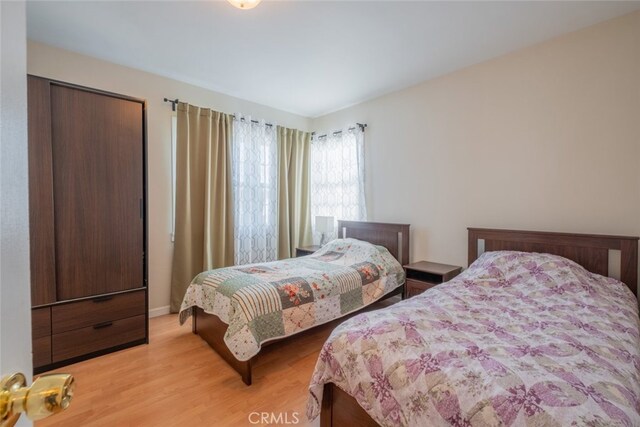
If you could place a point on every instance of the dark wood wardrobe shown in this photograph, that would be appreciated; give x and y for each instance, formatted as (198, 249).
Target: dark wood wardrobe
(88, 225)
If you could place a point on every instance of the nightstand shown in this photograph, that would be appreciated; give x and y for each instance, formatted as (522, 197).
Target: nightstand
(306, 250)
(423, 275)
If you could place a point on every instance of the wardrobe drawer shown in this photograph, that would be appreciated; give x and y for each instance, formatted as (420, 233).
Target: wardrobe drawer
(100, 336)
(41, 322)
(41, 351)
(76, 315)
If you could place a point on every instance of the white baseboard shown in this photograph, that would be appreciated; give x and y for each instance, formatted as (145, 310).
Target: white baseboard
(160, 311)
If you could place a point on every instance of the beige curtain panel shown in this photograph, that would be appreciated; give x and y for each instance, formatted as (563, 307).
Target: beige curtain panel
(204, 208)
(294, 205)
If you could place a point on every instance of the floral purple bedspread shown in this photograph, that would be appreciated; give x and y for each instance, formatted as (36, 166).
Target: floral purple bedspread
(518, 339)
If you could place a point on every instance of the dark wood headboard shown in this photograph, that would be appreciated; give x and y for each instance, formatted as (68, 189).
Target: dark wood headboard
(394, 237)
(589, 250)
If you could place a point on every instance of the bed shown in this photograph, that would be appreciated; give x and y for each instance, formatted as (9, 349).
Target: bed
(239, 310)
(528, 335)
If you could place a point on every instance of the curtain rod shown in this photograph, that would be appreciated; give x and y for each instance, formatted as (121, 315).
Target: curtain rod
(174, 103)
(338, 132)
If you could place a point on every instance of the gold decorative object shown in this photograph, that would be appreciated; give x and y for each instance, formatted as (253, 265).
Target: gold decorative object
(48, 395)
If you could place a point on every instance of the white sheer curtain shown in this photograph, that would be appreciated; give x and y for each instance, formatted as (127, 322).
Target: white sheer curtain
(337, 177)
(254, 169)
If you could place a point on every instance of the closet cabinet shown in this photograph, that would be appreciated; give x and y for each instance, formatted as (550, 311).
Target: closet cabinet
(87, 192)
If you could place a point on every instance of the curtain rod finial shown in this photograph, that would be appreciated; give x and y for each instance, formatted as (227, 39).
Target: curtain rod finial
(173, 102)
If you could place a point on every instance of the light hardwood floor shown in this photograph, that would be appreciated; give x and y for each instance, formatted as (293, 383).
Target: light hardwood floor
(178, 379)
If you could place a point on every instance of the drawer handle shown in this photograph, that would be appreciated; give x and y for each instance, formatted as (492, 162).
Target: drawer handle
(102, 325)
(103, 299)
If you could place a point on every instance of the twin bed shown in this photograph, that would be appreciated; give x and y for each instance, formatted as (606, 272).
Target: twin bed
(525, 336)
(238, 310)
(532, 333)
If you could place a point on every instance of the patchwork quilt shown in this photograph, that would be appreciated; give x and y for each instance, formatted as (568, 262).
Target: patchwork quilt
(262, 302)
(518, 339)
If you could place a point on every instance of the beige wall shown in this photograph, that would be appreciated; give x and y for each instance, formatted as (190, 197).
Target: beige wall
(546, 138)
(47, 61)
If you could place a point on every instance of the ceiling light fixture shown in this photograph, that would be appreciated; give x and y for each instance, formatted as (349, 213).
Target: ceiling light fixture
(244, 4)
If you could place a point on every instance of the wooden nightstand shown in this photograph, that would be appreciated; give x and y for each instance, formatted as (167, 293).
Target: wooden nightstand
(423, 275)
(306, 250)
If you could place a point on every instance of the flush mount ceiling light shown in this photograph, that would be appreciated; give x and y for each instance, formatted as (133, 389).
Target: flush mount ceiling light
(244, 4)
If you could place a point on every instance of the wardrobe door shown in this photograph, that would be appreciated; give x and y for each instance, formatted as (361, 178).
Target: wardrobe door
(41, 215)
(97, 151)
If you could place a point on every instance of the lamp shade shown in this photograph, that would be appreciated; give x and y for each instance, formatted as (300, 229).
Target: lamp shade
(244, 4)
(325, 224)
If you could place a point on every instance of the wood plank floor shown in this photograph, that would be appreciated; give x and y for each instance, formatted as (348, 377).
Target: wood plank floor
(178, 379)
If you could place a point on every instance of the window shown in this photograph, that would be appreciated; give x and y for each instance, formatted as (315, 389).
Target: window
(254, 177)
(336, 184)
(337, 177)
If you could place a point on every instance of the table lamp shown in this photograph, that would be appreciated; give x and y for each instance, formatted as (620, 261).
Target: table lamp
(324, 225)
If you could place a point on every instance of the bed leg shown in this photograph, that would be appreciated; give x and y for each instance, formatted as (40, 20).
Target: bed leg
(194, 325)
(245, 371)
(326, 410)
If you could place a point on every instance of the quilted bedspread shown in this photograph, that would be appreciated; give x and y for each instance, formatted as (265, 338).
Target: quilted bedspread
(518, 339)
(262, 302)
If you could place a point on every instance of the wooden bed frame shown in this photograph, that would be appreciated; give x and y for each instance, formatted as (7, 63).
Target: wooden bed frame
(395, 237)
(589, 250)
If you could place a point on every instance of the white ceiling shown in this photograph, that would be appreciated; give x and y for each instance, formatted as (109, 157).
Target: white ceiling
(306, 57)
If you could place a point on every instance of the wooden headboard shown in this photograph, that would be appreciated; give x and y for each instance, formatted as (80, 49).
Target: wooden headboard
(394, 237)
(589, 250)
